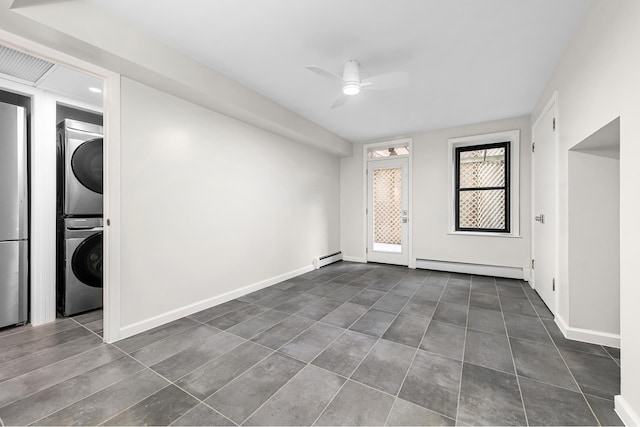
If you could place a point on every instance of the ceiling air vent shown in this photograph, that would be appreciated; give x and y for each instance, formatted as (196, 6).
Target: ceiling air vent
(20, 66)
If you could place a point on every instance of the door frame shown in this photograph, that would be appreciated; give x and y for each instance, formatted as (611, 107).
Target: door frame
(365, 160)
(552, 103)
(42, 269)
(402, 258)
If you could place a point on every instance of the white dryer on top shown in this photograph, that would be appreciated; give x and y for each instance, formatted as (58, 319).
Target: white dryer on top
(79, 147)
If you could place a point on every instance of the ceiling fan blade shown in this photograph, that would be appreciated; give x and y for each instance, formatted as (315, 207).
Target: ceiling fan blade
(393, 80)
(324, 73)
(342, 99)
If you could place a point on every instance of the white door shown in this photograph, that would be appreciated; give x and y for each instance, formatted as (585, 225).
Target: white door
(387, 211)
(544, 206)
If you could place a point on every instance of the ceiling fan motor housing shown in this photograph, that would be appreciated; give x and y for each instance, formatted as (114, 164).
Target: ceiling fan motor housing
(351, 77)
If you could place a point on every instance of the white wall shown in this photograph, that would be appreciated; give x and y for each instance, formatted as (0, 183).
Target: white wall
(210, 204)
(597, 81)
(430, 198)
(594, 243)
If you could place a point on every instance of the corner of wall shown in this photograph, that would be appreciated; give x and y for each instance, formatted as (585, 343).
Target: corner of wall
(628, 416)
(587, 335)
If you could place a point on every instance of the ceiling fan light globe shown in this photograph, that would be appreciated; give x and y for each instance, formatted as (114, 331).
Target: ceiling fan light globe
(351, 89)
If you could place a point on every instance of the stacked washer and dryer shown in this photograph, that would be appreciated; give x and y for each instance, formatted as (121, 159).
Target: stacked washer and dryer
(79, 222)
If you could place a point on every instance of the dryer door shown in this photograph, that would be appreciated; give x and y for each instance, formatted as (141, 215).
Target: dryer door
(87, 261)
(86, 164)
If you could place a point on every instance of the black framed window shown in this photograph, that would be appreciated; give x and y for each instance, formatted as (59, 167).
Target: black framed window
(482, 192)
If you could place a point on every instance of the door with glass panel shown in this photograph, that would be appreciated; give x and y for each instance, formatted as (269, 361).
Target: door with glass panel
(388, 211)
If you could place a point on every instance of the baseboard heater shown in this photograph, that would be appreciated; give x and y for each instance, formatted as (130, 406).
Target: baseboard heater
(326, 260)
(467, 268)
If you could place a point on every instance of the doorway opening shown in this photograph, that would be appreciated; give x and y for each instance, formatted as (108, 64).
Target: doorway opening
(65, 88)
(387, 181)
(594, 233)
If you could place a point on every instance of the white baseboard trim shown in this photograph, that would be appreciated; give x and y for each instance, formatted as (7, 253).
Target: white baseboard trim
(170, 316)
(353, 259)
(479, 269)
(526, 275)
(320, 262)
(628, 416)
(587, 335)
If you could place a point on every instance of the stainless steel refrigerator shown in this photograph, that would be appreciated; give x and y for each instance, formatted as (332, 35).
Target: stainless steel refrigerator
(14, 216)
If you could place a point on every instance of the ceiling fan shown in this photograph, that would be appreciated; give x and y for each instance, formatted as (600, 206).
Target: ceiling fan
(351, 83)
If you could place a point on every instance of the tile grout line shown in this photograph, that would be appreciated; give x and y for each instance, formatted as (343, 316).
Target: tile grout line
(194, 408)
(93, 332)
(28, 327)
(296, 294)
(275, 392)
(417, 347)
(368, 352)
(125, 354)
(272, 351)
(364, 385)
(56, 384)
(115, 344)
(88, 396)
(36, 352)
(565, 364)
(306, 363)
(513, 360)
(168, 385)
(378, 340)
(277, 350)
(464, 346)
(497, 370)
(8, 347)
(244, 341)
(46, 366)
(209, 319)
(610, 355)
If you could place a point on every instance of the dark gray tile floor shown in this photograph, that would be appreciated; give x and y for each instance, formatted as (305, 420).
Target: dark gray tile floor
(349, 344)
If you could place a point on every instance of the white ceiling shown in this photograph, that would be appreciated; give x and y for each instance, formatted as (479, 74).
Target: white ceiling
(73, 84)
(469, 60)
(28, 70)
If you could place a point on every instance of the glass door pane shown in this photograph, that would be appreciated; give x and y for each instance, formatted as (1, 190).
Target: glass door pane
(387, 210)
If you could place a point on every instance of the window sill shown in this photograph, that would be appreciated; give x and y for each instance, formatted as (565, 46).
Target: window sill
(478, 233)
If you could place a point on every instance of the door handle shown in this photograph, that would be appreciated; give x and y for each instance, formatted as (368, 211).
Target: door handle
(540, 218)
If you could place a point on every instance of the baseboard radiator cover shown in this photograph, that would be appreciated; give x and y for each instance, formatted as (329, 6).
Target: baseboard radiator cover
(327, 259)
(467, 268)
(170, 316)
